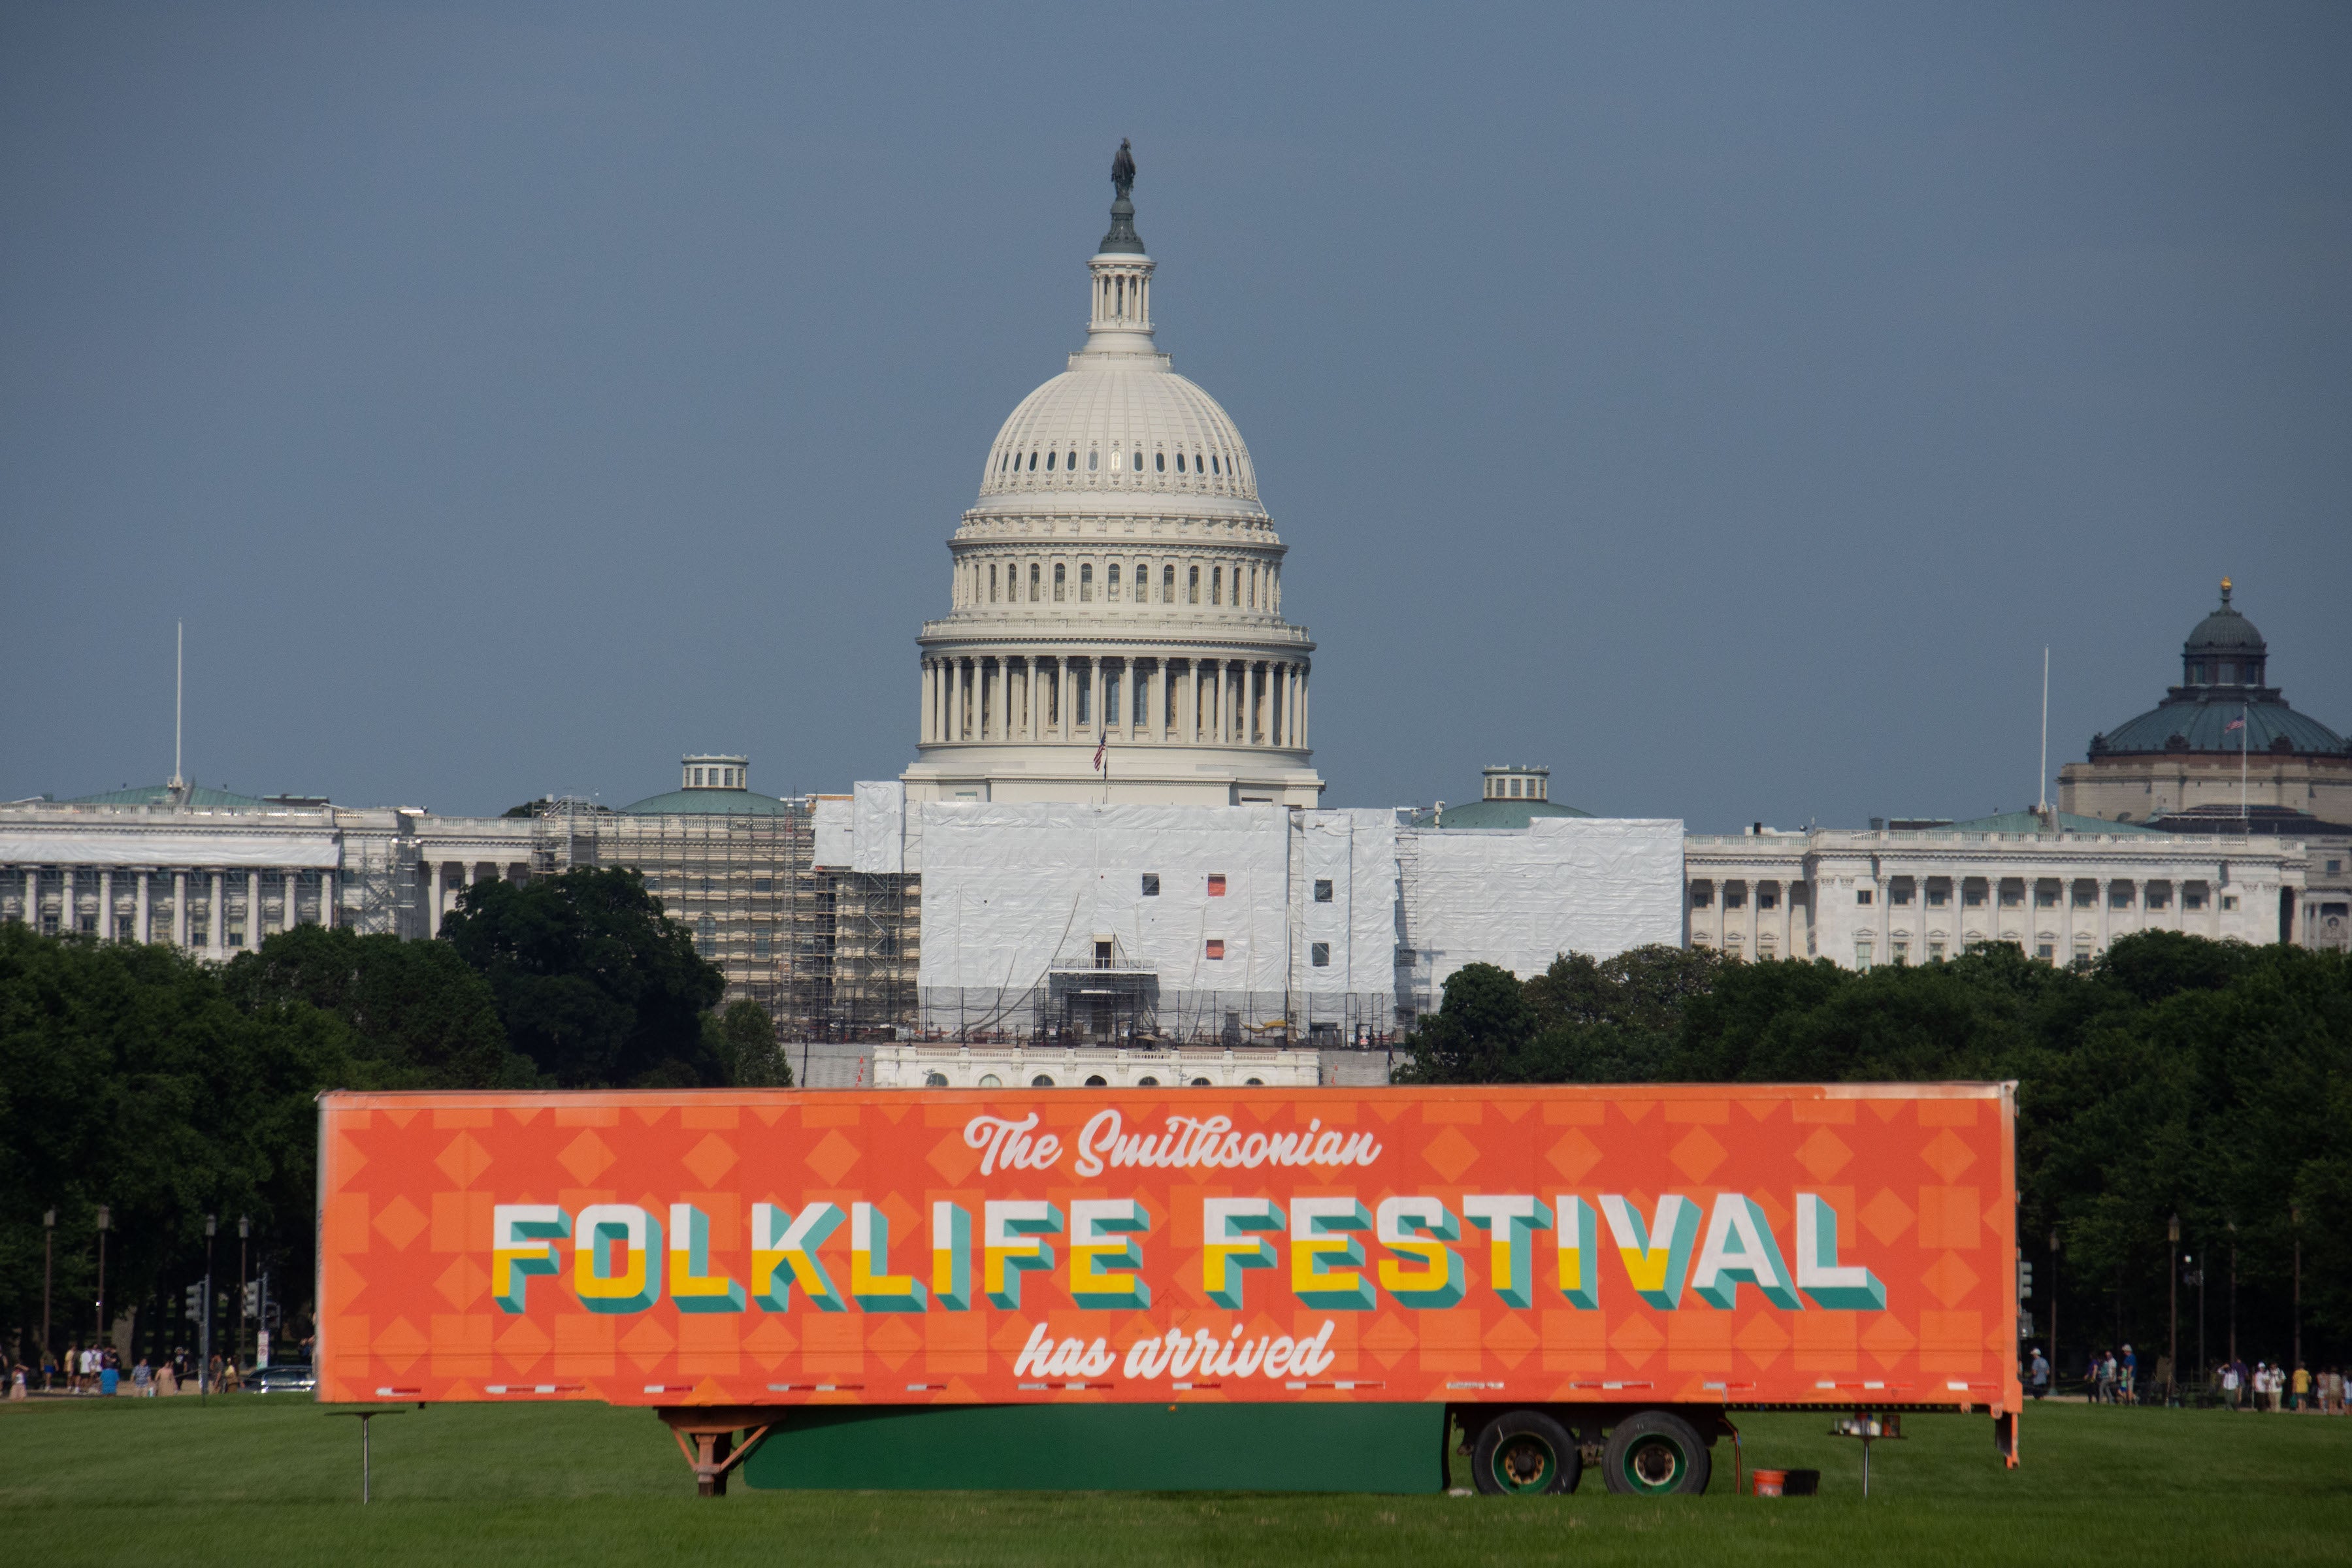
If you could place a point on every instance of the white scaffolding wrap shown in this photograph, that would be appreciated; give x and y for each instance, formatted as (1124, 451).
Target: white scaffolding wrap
(829, 832)
(1011, 892)
(198, 849)
(878, 828)
(1597, 886)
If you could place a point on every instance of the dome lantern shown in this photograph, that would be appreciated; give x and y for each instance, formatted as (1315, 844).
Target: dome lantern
(2225, 649)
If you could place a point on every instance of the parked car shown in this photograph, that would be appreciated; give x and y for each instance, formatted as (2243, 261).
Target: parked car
(286, 1377)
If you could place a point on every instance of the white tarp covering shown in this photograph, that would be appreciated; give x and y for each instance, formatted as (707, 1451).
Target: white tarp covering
(1354, 853)
(1011, 892)
(48, 848)
(878, 827)
(1589, 885)
(829, 832)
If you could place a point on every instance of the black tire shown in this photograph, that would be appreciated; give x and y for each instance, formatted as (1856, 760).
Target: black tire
(1525, 1453)
(1656, 1453)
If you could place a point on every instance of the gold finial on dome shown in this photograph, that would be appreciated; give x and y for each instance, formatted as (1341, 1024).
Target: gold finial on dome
(2225, 589)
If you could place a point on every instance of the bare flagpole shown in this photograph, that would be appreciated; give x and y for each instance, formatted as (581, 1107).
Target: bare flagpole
(179, 697)
(2042, 781)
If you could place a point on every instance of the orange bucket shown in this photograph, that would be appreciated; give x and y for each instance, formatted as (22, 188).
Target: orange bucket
(1769, 1482)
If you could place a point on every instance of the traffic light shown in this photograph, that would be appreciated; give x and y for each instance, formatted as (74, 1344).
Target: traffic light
(253, 1298)
(195, 1309)
(2024, 1280)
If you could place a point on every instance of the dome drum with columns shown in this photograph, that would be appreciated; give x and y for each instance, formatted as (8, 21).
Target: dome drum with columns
(1115, 591)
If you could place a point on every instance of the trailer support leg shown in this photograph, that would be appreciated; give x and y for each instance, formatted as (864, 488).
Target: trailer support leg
(2004, 1437)
(705, 1437)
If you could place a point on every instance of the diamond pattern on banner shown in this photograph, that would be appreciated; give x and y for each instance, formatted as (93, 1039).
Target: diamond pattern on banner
(953, 1159)
(462, 1283)
(710, 1159)
(955, 1342)
(587, 1157)
(1947, 1279)
(1450, 1153)
(464, 1159)
(709, 1342)
(1946, 1155)
(894, 1342)
(523, 1345)
(1697, 1156)
(1826, 1342)
(1391, 1340)
(1449, 1342)
(1698, 1341)
(1885, 1217)
(399, 1221)
(399, 1343)
(833, 1156)
(1575, 1341)
(1761, 1340)
(834, 1341)
(770, 1342)
(647, 1343)
(1887, 1341)
(1511, 1340)
(1572, 1156)
(1824, 1155)
(1637, 1339)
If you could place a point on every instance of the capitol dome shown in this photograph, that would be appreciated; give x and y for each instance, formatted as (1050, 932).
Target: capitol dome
(1116, 628)
(2221, 705)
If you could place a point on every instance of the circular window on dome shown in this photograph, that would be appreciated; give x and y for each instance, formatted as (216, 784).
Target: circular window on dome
(1033, 462)
(1092, 460)
(1049, 461)
(1180, 462)
(1159, 461)
(1139, 460)
(1073, 464)
(1213, 464)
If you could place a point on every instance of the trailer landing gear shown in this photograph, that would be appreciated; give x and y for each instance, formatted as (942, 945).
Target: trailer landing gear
(706, 1436)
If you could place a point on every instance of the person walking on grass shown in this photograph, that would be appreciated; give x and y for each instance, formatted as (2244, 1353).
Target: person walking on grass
(167, 1380)
(16, 1389)
(2301, 1389)
(2234, 1379)
(2127, 1382)
(2039, 1375)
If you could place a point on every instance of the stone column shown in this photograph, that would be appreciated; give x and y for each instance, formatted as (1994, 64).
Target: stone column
(69, 899)
(143, 923)
(1068, 696)
(326, 901)
(180, 910)
(217, 918)
(106, 906)
(252, 909)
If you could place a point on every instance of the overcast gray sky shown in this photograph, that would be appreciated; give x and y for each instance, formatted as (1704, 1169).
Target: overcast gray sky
(1721, 404)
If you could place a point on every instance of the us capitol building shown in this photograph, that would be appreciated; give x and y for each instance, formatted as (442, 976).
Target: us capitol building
(1116, 590)
(1112, 828)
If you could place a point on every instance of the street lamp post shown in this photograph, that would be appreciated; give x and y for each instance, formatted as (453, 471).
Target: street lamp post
(2295, 1218)
(2172, 1335)
(105, 1223)
(244, 1230)
(48, 1259)
(2234, 1292)
(204, 1346)
(2053, 1309)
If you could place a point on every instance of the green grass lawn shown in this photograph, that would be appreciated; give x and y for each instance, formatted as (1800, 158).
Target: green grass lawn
(258, 1482)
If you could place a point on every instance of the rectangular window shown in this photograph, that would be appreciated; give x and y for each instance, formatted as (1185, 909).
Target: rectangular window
(1253, 591)
(1898, 891)
(1194, 584)
(1032, 582)
(1902, 951)
(1060, 574)
(1216, 947)
(1086, 584)
(1735, 895)
(1862, 955)
(1216, 584)
(2012, 896)
(1168, 584)
(1323, 889)
(1768, 897)
(1938, 894)
(2159, 895)
(2042, 950)
(1152, 884)
(759, 945)
(2120, 895)
(764, 884)
(991, 584)
(1110, 581)
(1083, 678)
(1319, 954)
(1702, 895)
(2086, 895)
(2229, 900)
(2046, 895)
(2192, 897)
(1935, 952)
(1972, 895)
(1216, 884)
(236, 935)
(1861, 895)
(1110, 692)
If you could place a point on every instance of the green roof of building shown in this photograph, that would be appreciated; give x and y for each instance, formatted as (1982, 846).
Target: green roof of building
(1472, 814)
(161, 794)
(2021, 822)
(708, 803)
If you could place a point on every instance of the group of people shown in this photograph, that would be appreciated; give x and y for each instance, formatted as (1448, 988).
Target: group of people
(2269, 1387)
(98, 1369)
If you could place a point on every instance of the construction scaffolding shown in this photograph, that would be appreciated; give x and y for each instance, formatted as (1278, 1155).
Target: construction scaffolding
(1127, 1006)
(830, 954)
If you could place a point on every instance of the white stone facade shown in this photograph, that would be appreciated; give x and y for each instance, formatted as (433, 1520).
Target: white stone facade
(987, 1065)
(1878, 896)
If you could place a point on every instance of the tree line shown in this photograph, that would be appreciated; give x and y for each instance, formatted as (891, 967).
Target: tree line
(163, 1088)
(2175, 1076)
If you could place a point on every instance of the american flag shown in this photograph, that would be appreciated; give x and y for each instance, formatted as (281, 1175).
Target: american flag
(2234, 725)
(1102, 748)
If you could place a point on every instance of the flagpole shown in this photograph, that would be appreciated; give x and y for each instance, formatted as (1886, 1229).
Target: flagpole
(2245, 731)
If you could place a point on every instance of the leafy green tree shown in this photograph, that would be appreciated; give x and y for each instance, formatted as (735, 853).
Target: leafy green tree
(743, 1037)
(593, 983)
(417, 1013)
(1479, 1033)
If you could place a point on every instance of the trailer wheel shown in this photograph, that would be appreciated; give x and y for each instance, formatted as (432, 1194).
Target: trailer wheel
(1523, 1453)
(1653, 1453)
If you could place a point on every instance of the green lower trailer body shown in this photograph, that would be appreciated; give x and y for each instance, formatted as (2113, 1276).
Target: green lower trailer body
(1292, 1447)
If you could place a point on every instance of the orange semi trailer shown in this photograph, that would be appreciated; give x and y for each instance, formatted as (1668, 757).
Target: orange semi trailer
(1150, 1288)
